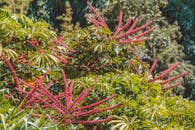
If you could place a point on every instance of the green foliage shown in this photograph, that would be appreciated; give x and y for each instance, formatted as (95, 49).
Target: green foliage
(96, 53)
(12, 118)
(144, 106)
(65, 19)
(21, 28)
(29, 45)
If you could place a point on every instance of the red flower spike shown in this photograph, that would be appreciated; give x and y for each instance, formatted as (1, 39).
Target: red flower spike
(119, 29)
(60, 58)
(94, 128)
(65, 81)
(135, 54)
(174, 78)
(16, 79)
(82, 96)
(30, 93)
(49, 95)
(122, 38)
(95, 104)
(93, 111)
(171, 86)
(153, 67)
(99, 20)
(39, 94)
(119, 23)
(71, 110)
(58, 40)
(67, 91)
(164, 74)
(41, 100)
(69, 95)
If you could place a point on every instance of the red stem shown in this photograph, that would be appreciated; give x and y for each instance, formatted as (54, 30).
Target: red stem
(16, 79)
(173, 78)
(95, 104)
(165, 73)
(171, 86)
(97, 15)
(153, 67)
(81, 96)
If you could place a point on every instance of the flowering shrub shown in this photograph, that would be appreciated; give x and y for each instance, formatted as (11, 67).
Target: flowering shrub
(124, 37)
(144, 105)
(66, 112)
(99, 62)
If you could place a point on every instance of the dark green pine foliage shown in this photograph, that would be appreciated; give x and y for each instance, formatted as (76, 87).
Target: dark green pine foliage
(42, 10)
(184, 12)
(48, 10)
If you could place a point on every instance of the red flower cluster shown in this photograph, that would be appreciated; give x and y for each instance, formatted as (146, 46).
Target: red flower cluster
(63, 103)
(122, 38)
(67, 109)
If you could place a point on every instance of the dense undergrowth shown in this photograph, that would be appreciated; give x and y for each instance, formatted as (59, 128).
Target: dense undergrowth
(93, 77)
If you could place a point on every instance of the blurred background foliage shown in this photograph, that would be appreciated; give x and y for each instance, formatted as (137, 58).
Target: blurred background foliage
(17, 6)
(183, 11)
(52, 10)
